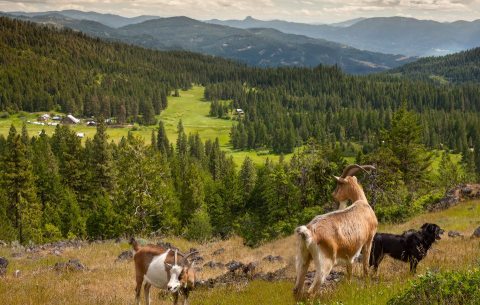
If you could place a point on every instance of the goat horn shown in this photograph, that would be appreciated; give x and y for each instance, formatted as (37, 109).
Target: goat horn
(176, 257)
(354, 168)
(339, 179)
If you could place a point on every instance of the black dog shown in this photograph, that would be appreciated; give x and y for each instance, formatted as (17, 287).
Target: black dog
(411, 246)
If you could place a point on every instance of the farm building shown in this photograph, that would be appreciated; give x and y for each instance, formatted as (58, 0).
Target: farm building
(239, 112)
(43, 117)
(70, 119)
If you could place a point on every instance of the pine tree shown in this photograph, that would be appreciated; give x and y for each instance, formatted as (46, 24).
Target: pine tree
(18, 183)
(162, 140)
(103, 178)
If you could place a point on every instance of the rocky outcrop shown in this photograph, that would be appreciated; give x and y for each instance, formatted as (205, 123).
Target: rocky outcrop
(456, 195)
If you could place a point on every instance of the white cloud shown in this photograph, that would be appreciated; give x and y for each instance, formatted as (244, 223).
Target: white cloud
(296, 10)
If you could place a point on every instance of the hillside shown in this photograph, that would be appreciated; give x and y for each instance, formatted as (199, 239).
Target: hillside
(109, 282)
(391, 35)
(256, 47)
(110, 20)
(455, 68)
(73, 73)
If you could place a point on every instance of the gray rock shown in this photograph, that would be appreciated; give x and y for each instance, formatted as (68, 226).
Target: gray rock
(454, 234)
(272, 259)
(71, 265)
(218, 251)
(3, 266)
(233, 266)
(212, 264)
(476, 233)
(125, 255)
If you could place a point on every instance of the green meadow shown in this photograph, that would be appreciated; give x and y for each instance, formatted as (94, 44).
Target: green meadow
(190, 107)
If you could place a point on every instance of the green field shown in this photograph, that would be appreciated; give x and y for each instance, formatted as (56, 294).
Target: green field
(193, 110)
(190, 107)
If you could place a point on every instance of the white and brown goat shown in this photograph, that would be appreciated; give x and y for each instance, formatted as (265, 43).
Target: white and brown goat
(162, 268)
(338, 236)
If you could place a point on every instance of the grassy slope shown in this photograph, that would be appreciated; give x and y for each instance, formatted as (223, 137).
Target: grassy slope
(190, 107)
(107, 282)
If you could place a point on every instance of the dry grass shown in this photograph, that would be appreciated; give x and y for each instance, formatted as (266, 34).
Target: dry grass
(110, 282)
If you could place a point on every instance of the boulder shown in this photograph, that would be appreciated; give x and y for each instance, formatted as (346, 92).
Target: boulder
(71, 265)
(454, 234)
(272, 259)
(212, 264)
(476, 233)
(3, 266)
(125, 255)
(218, 251)
(233, 266)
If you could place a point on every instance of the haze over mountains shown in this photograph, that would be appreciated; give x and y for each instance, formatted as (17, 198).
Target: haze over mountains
(392, 35)
(358, 46)
(258, 47)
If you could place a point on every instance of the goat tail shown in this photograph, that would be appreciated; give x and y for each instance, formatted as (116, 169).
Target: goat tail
(304, 235)
(134, 244)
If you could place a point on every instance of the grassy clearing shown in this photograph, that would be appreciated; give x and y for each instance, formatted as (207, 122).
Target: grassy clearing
(190, 107)
(110, 282)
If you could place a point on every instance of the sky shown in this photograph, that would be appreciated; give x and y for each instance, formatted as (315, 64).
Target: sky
(307, 11)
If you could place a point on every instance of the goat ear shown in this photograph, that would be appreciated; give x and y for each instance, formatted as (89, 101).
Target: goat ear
(340, 179)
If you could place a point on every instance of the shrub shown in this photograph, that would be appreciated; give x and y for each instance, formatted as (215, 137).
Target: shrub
(51, 233)
(199, 228)
(453, 288)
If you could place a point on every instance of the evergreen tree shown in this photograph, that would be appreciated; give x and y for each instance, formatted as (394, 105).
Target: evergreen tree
(18, 183)
(162, 140)
(101, 160)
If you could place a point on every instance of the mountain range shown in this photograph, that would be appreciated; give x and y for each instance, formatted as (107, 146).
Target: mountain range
(264, 47)
(391, 35)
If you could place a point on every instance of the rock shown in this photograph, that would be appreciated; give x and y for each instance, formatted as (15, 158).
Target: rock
(212, 264)
(3, 266)
(218, 251)
(272, 259)
(167, 245)
(125, 255)
(333, 276)
(249, 269)
(276, 275)
(71, 265)
(454, 234)
(196, 259)
(476, 233)
(233, 266)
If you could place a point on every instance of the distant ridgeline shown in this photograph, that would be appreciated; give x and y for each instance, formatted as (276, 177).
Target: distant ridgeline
(43, 69)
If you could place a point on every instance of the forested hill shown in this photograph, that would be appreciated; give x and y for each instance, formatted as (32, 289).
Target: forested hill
(43, 68)
(455, 68)
(256, 47)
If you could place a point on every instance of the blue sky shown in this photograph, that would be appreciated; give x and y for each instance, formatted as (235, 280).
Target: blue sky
(311, 11)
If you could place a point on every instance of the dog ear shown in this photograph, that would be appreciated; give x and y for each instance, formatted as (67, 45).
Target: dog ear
(425, 225)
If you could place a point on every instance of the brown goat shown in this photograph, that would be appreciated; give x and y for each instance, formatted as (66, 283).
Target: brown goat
(338, 236)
